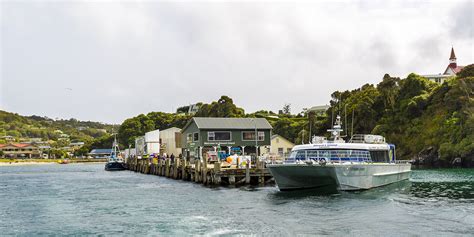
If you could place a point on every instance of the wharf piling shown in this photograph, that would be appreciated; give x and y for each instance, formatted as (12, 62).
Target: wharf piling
(203, 172)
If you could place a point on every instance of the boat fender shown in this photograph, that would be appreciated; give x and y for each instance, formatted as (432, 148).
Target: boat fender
(322, 162)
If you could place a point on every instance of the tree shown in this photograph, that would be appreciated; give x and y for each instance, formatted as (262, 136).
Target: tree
(467, 71)
(223, 108)
(287, 109)
(182, 109)
(389, 90)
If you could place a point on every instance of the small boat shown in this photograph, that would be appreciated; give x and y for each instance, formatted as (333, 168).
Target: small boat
(365, 162)
(63, 162)
(115, 161)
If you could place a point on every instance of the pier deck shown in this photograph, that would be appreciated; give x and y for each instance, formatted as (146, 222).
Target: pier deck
(201, 172)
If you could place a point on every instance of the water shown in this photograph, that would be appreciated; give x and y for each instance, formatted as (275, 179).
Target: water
(83, 199)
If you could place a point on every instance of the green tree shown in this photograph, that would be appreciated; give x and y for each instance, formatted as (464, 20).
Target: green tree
(467, 71)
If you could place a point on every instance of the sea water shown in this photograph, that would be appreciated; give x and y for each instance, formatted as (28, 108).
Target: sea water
(83, 199)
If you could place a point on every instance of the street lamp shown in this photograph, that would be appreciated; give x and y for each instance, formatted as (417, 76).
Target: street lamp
(256, 137)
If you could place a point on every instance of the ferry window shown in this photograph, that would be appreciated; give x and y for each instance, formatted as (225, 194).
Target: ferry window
(218, 136)
(293, 154)
(195, 137)
(301, 155)
(324, 154)
(312, 154)
(379, 156)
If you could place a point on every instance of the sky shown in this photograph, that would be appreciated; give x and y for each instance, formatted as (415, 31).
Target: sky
(107, 61)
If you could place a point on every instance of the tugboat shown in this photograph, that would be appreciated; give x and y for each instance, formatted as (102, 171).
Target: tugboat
(115, 161)
(365, 162)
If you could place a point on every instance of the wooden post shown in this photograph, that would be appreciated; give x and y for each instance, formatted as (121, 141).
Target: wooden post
(167, 168)
(261, 180)
(247, 173)
(232, 179)
(196, 171)
(183, 170)
(204, 170)
(159, 167)
(176, 166)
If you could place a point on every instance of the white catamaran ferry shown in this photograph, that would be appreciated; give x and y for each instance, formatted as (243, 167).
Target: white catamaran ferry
(365, 162)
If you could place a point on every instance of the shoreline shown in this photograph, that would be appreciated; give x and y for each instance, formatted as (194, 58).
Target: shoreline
(4, 162)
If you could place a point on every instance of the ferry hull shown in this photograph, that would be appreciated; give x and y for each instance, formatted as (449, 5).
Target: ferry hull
(339, 176)
(114, 166)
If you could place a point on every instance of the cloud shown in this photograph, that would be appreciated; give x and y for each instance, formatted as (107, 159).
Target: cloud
(462, 24)
(126, 58)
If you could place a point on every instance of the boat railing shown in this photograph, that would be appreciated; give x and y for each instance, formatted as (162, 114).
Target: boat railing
(367, 138)
(339, 160)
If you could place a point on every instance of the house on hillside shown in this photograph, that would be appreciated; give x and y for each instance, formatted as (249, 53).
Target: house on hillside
(451, 70)
(20, 150)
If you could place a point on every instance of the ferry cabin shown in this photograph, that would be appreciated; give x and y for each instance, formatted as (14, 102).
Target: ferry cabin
(344, 152)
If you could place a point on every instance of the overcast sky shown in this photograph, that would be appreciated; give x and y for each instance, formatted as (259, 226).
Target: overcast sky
(106, 62)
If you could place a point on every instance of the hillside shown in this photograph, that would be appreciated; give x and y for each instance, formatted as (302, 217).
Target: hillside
(19, 128)
(429, 122)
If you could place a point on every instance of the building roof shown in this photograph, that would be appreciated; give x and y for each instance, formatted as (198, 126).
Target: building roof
(319, 108)
(100, 151)
(171, 129)
(279, 136)
(453, 56)
(456, 69)
(230, 123)
(19, 145)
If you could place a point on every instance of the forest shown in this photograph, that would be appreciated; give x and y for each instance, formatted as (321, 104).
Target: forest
(427, 121)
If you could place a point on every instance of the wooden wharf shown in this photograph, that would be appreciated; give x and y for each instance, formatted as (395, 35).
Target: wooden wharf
(214, 174)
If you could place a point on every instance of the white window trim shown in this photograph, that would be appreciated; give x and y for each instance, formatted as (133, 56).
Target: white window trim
(258, 136)
(215, 136)
(187, 137)
(197, 140)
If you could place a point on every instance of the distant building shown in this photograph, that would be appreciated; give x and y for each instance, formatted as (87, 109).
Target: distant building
(44, 150)
(8, 138)
(451, 70)
(201, 135)
(140, 146)
(194, 108)
(170, 141)
(148, 144)
(280, 146)
(76, 145)
(20, 150)
(319, 109)
(100, 153)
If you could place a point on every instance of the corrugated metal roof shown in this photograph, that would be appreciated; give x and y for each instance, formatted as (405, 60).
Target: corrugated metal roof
(101, 151)
(231, 123)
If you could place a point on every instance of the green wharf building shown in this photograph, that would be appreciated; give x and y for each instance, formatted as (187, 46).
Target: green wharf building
(232, 135)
